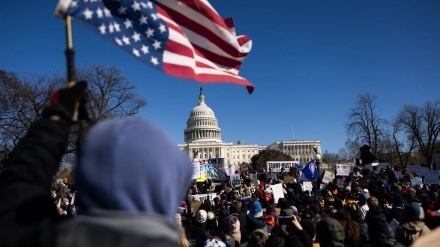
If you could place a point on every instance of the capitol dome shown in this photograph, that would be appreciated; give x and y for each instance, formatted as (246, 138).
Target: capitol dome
(202, 125)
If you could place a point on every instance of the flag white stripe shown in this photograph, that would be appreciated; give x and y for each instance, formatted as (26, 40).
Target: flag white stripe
(195, 16)
(177, 59)
(179, 38)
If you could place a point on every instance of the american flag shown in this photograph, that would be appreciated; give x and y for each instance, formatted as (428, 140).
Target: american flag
(185, 38)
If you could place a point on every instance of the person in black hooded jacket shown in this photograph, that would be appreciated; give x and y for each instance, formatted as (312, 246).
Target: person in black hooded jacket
(118, 193)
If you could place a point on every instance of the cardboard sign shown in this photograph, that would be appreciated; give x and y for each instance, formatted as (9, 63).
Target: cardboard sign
(342, 170)
(328, 177)
(294, 171)
(289, 179)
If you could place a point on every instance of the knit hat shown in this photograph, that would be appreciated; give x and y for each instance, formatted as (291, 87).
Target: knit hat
(116, 151)
(214, 243)
(294, 209)
(254, 197)
(256, 210)
(260, 231)
(287, 212)
(201, 216)
(411, 211)
(270, 220)
(330, 233)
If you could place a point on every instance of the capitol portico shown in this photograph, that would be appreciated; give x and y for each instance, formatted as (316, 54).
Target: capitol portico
(203, 140)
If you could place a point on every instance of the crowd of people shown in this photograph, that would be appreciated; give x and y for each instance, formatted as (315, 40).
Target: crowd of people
(133, 188)
(378, 213)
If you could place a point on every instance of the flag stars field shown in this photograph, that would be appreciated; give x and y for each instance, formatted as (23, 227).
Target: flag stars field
(143, 20)
(136, 6)
(88, 14)
(145, 34)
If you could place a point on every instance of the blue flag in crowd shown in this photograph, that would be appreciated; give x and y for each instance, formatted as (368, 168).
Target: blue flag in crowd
(310, 171)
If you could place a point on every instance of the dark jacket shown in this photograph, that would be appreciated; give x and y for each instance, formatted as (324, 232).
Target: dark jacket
(254, 224)
(381, 235)
(27, 212)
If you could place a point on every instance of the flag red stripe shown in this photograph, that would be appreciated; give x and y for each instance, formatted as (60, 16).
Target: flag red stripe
(200, 30)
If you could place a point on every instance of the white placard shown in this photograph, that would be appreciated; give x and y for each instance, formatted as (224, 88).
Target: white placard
(328, 177)
(196, 170)
(277, 191)
(342, 170)
(307, 185)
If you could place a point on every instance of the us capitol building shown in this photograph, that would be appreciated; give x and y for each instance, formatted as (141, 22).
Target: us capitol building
(203, 141)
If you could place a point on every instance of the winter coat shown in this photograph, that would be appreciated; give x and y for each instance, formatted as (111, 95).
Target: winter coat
(381, 235)
(409, 232)
(111, 228)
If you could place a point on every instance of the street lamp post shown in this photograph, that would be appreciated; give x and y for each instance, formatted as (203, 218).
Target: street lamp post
(317, 162)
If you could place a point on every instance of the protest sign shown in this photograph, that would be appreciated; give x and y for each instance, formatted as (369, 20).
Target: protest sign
(235, 180)
(307, 186)
(196, 170)
(328, 177)
(294, 171)
(341, 183)
(415, 181)
(289, 179)
(277, 191)
(431, 179)
(423, 171)
(202, 177)
(342, 170)
(278, 165)
(221, 175)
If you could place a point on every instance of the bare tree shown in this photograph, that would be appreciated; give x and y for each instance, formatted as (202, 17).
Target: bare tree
(422, 124)
(111, 94)
(21, 103)
(23, 99)
(364, 124)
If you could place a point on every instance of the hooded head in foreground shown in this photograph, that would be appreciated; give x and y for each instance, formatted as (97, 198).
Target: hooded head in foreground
(131, 165)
